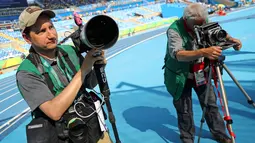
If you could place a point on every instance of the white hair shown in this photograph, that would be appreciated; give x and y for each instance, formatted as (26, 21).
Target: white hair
(194, 11)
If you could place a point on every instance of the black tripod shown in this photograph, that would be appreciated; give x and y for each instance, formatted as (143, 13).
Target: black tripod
(215, 66)
(104, 89)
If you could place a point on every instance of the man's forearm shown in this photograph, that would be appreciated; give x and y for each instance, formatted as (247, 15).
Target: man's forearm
(189, 55)
(58, 105)
(228, 37)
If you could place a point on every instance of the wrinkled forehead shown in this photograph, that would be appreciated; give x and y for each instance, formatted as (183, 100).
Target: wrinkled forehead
(42, 19)
(198, 21)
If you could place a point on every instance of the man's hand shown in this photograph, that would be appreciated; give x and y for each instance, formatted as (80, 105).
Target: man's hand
(211, 53)
(238, 45)
(91, 57)
(104, 61)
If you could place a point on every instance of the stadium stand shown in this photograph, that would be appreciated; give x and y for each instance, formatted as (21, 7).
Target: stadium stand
(128, 14)
(10, 33)
(6, 53)
(4, 40)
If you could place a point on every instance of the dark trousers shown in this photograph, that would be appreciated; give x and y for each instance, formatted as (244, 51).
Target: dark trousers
(185, 114)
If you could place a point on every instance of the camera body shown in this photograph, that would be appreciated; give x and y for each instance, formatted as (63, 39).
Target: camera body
(210, 34)
(78, 120)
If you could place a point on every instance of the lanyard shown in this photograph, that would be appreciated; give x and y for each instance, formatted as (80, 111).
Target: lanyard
(54, 76)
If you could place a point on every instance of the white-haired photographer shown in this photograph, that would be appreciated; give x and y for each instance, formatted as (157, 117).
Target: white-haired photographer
(184, 70)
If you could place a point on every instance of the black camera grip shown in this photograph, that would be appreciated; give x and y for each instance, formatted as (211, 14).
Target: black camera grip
(101, 78)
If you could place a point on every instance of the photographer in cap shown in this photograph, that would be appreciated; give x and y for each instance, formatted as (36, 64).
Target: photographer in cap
(54, 77)
(182, 61)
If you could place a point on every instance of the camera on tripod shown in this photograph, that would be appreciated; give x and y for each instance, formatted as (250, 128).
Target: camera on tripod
(100, 32)
(212, 34)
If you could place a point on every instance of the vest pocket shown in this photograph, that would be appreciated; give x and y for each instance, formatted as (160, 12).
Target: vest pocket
(181, 80)
(170, 81)
(174, 83)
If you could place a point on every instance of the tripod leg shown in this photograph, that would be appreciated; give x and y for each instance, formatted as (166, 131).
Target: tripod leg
(224, 97)
(205, 102)
(250, 101)
(112, 119)
(104, 88)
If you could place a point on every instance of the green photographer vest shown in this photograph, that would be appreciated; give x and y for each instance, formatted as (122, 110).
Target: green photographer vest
(67, 55)
(68, 61)
(176, 72)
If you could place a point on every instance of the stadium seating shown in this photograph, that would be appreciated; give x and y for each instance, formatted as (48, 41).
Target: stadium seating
(26, 46)
(14, 34)
(4, 40)
(126, 13)
(6, 53)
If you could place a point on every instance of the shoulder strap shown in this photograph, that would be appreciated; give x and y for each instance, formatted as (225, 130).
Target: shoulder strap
(62, 53)
(70, 64)
(34, 58)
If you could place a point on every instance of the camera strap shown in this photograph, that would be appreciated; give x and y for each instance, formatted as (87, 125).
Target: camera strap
(34, 58)
(71, 68)
(64, 64)
(58, 84)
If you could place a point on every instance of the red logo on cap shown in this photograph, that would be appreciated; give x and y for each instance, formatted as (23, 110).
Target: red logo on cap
(31, 10)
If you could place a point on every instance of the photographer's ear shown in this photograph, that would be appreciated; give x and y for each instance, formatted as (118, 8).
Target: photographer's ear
(27, 38)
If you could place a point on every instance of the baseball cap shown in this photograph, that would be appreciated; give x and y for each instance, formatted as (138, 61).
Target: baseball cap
(29, 16)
